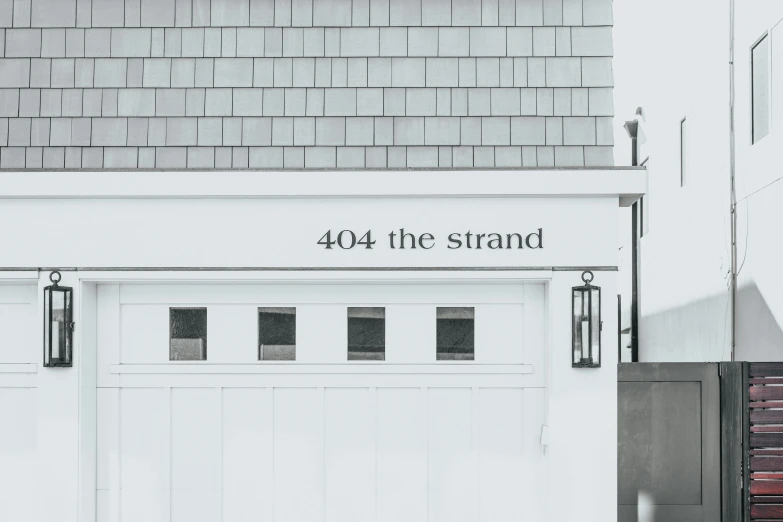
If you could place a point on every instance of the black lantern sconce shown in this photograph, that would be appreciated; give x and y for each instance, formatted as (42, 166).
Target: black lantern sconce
(58, 323)
(586, 326)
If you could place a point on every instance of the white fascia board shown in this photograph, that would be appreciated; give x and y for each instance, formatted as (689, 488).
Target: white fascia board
(627, 183)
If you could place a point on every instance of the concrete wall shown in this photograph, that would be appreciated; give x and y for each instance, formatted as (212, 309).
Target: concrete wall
(305, 83)
(685, 253)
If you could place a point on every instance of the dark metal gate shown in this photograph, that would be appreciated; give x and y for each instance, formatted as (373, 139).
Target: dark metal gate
(669, 442)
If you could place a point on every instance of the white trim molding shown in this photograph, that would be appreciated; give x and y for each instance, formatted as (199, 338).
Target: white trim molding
(627, 183)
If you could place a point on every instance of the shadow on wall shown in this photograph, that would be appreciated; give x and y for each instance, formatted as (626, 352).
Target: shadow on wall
(699, 331)
(694, 332)
(759, 336)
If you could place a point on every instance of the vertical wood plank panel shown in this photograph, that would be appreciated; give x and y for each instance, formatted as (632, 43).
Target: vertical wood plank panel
(350, 456)
(18, 453)
(166, 455)
(247, 454)
(298, 443)
(141, 422)
(217, 420)
(501, 446)
(193, 459)
(374, 449)
(535, 470)
(401, 455)
(452, 461)
(107, 476)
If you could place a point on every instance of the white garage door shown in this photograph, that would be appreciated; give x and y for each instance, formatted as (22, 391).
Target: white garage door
(333, 402)
(19, 354)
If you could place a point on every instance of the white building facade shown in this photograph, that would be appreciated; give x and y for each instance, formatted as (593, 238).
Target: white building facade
(356, 343)
(685, 248)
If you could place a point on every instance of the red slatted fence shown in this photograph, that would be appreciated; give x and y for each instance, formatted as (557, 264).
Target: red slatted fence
(765, 395)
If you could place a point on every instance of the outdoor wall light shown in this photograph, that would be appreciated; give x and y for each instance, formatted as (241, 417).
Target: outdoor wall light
(586, 327)
(58, 323)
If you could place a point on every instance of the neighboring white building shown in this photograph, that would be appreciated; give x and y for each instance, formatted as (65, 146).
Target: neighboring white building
(677, 69)
(366, 341)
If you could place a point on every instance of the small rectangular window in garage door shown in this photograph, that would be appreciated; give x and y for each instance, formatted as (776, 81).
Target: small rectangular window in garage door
(366, 333)
(277, 334)
(188, 334)
(455, 333)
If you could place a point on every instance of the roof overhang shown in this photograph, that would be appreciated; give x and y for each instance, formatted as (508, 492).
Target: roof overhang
(626, 183)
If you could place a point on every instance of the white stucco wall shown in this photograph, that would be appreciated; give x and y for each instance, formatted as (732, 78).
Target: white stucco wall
(685, 255)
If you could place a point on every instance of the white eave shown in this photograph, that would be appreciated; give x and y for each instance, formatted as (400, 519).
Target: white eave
(627, 183)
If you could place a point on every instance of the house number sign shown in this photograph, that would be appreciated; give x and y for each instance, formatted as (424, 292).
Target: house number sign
(405, 240)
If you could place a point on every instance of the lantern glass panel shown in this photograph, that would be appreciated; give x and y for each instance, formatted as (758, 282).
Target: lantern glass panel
(580, 327)
(59, 339)
(47, 327)
(595, 320)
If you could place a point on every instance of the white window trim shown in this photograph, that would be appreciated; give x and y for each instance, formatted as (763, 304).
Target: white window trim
(683, 151)
(766, 34)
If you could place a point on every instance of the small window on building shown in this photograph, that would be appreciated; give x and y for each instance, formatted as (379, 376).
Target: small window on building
(455, 333)
(277, 334)
(366, 333)
(759, 63)
(188, 334)
(683, 150)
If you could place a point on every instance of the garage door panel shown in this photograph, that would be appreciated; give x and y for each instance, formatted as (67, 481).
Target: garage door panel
(143, 504)
(18, 294)
(452, 466)
(401, 455)
(234, 330)
(18, 453)
(144, 334)
(298, 443)
(350, 455)
(499, 333)
(142, 435)
(193, 438)
(193, 505)
(16, 323)
(248, 454)
(501, 449)
(535, 464)
(321, 333)
(20, 352)
(108, 451)
(410, 334)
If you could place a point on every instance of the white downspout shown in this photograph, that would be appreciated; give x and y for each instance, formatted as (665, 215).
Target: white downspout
(732, 188)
